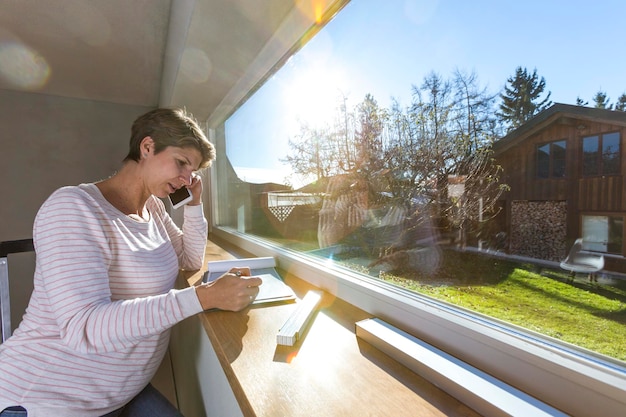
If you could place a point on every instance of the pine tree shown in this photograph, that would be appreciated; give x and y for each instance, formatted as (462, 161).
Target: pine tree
(602, 101)
(581, 102)
(521, 99)
(621, 103)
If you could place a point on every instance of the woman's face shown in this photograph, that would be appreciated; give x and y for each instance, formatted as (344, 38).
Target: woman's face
(171, 169)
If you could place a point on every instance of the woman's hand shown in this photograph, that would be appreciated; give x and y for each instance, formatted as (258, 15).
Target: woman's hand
(232, 291)
(196, 190)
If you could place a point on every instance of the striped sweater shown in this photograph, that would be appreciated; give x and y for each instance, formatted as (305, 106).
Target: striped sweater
(97, 325)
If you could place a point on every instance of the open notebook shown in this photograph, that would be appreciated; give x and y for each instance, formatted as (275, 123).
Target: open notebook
(273, 288)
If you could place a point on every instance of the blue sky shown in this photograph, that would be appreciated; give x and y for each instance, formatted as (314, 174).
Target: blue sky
(383, 47)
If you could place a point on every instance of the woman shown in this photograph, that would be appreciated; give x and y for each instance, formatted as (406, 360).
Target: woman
(97, 325)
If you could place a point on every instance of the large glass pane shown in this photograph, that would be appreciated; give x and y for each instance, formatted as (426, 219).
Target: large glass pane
(543, 161)
(603, 233)
(610, 153)
(558, 158)
(595, 233)
(590, 156)
(371, 149)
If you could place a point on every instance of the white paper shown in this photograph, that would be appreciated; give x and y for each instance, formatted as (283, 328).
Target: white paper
(272, 289)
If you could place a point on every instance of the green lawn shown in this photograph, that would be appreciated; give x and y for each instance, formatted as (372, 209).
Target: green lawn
(592, 316)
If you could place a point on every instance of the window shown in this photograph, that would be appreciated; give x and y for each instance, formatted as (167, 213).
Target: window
(603, 233)
(551, 159)
(601, 154)
(363, 165)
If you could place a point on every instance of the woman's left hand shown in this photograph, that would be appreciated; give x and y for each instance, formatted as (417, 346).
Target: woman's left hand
(196, 190)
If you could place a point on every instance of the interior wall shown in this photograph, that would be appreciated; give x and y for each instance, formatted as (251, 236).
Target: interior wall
(48, 142)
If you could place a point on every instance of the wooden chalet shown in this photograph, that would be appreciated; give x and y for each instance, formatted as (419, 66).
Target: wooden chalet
(566, 169)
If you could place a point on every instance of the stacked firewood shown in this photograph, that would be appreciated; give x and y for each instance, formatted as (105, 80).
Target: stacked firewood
(538, 229)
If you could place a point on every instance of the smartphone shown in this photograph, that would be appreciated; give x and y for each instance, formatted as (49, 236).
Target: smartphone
(180, 197)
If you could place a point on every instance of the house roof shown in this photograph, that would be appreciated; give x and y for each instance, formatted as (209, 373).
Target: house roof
(554, 113)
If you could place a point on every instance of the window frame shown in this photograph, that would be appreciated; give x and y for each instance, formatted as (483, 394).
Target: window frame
(534, 363)
(551, 160)
(567, 377)
(599, 159)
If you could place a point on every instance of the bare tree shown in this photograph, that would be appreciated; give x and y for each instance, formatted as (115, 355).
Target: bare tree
(324, 151)
(397, 158)
(457, 128)
(474, 106)
(474, 166)
(310, 153)
(368, 136)
(433, 108)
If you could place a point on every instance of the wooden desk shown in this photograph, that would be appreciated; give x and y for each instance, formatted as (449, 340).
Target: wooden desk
(330, 372)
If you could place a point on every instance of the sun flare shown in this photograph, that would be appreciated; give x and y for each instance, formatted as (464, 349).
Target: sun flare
(314, 96)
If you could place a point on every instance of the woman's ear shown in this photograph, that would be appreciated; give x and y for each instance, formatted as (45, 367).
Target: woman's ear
(147, 146)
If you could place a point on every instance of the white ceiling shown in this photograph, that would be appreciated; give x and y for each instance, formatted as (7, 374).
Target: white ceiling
(138, 52)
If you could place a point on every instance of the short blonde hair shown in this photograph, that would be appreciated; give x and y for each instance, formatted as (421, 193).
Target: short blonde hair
(170, 127)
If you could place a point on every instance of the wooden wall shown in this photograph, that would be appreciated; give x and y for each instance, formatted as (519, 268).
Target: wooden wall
(520, 167)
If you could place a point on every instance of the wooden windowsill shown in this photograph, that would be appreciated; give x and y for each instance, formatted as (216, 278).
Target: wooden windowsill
(328, 372)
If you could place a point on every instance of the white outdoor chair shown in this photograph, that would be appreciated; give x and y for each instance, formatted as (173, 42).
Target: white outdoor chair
(578, 261)
(7, 248)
